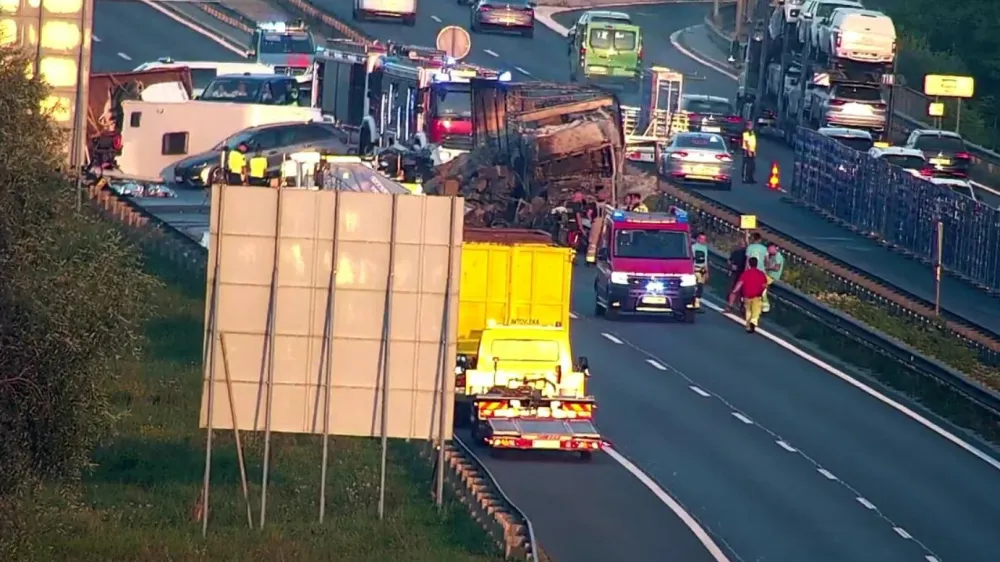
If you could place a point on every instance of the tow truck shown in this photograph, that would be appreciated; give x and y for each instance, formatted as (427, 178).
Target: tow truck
(654, 122)
(399, 93)
(517, 382)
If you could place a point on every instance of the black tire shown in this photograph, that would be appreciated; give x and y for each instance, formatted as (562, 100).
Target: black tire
(586, 456)
(599, 310)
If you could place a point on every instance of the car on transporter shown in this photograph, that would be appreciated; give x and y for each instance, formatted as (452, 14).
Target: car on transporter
(503, 15)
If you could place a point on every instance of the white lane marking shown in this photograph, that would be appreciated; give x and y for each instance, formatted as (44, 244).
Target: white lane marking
(742, 418)
(124, 56)
(435, 18)
(829, 475)
(573, 315)
(672, 503)
(699, 391)
(196, 28)
(786, 446)
(866, 503)
(544, 16)
(522, 71)
(902, 532)
(697, 57)
(656, 364)
(931, 559)
(491, 53)
(611, 338)
(905, 410)
(95, 38)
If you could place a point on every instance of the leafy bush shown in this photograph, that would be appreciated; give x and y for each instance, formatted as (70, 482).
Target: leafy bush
(72, 299)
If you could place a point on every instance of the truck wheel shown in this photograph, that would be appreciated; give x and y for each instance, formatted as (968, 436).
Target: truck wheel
(586, 456)
(477, 433)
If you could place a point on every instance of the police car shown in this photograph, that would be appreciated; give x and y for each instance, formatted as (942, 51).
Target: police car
(203, 72)
(288, 47)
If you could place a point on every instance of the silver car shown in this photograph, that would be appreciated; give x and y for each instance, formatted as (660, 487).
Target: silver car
(698, 158)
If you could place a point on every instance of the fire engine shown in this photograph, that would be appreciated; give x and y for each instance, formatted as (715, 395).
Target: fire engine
(398, 93)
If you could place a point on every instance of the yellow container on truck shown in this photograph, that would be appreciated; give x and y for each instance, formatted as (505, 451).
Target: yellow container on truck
(517, 381)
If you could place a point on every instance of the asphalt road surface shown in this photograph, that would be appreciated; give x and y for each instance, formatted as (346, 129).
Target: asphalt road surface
(779, 459)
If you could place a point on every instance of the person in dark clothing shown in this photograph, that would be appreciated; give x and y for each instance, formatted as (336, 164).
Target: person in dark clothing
(738, 261)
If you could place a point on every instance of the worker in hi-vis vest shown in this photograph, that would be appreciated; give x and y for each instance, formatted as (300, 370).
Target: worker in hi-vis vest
(749, 154)
(699, 252)
(236, 166)
(258, 170)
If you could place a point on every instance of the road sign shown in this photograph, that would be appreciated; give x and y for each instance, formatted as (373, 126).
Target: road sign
(748, 222)
(935, 109)
(454, 41)
(949, 86)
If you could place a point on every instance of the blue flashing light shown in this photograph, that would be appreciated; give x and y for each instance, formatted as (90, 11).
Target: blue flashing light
(682, 215)
(617, 215)
(276, 26)
(505, 76)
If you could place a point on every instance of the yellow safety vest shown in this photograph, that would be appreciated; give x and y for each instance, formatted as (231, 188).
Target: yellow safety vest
(236, 162)
(640, 208)
(258, 167)
(750, 142)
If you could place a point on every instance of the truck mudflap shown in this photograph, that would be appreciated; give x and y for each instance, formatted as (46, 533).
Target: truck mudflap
(579, 435)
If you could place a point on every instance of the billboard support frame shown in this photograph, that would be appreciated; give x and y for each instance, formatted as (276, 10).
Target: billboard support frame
(445, 371)
(386, 355)
(209, 357)
(245, 488)
(272, 329)
(331, 310)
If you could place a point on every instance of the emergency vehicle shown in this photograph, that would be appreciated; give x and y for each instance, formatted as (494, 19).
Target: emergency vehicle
(517, 382)
(644, 265)
(288, 47)
(396, 94)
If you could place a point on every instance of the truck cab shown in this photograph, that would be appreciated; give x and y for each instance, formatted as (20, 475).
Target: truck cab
(645, 266)
(288, 47)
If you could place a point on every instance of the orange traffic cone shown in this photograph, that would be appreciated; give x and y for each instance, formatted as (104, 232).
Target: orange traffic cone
(774, 181)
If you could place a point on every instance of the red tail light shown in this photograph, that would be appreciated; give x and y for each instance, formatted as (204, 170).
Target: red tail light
(734, 119)
(927, 172)
(837, 35)
(963, 156)
(724, 157)
(116, 142)
(634, 155)
(837, 102)
(583, 50)
(695, 116)
(679, 155)
(640, 53)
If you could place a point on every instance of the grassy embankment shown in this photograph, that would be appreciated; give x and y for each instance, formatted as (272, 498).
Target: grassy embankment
(141, 501)
(932, 340)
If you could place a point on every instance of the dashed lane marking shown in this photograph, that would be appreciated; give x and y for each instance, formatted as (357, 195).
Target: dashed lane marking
(491, 53)
(699, 391)
(786, 446)
(435, 18)
(522, 71)
(611, 338)
(742, 418)
(573, 315)
(902, 532)
(826, 473)
(656, 364)
(124, 56)
(865, 503)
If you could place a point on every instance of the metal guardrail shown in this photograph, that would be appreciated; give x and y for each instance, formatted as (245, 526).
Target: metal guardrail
(875, 340)
(876, 199)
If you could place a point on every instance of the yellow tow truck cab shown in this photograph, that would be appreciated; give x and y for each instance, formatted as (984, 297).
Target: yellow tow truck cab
(517, 382)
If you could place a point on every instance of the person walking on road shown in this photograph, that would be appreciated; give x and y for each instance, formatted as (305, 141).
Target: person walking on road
(737, 261)
(750, 288)
(749, 154)
(774, 266)
(699, 251)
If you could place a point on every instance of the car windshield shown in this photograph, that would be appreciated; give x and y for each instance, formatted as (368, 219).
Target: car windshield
(232, 89)
(202, 77)
(287, 43)
(859, 93)
(942, 143)
(235, 140)
(704, 142)
(857, 143)
(612, 38)
(525, 350)
(651, 244)
(453, 101)
(709, 106)
(907, 162)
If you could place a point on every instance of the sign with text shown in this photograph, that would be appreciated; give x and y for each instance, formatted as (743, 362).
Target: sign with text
(322, 296)
(949, 86)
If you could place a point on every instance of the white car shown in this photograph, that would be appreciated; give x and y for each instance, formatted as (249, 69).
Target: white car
(858, 35)
(959, 186)
(405, 10)
(911, 160)
(814, 12)
(856, 139)
(203, 72)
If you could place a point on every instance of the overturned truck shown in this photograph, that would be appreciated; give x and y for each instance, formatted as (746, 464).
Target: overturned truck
(535, 145)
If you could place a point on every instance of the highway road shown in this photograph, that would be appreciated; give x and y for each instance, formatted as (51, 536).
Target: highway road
(659, 22)
(778, 458)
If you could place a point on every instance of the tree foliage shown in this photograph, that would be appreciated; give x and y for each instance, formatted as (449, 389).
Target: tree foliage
(953, 38)
(72, 299)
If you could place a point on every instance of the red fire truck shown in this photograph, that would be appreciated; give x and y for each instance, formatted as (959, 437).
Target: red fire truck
(398, 93)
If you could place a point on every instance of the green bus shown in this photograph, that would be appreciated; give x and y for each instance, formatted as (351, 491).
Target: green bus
(605, 46)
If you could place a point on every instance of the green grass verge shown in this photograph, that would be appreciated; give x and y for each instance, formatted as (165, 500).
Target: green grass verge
(139, 502)
(932, 340)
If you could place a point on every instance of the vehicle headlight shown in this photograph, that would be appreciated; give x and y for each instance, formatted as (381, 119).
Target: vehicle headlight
(204, 173)
(459, 370)
(619, 278)
(689, 280)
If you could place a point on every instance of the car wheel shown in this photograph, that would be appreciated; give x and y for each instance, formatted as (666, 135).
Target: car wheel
(599, 309)
(610, 312)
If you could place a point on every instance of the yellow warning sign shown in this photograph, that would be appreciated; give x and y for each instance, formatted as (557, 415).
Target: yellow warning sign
(748, 222)
(949, 86)
(935, 109)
